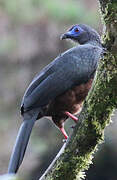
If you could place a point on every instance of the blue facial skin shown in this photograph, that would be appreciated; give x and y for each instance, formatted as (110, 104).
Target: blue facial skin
(75, 31)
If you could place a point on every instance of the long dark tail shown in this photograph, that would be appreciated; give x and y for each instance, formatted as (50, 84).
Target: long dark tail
(21, 144)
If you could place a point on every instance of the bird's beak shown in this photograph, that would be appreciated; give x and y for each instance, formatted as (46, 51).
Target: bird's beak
(65, 36)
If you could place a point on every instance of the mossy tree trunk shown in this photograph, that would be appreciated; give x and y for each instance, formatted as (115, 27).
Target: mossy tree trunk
(76, 155)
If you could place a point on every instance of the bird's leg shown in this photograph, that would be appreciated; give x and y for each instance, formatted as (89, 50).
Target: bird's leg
(63, 132)
(71, 116)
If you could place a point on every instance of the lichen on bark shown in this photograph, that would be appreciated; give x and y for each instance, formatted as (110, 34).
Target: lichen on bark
(97, 110)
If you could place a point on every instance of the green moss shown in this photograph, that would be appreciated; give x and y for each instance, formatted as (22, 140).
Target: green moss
(110, 13)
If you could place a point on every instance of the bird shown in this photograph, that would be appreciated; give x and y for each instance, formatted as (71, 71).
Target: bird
(60, 88)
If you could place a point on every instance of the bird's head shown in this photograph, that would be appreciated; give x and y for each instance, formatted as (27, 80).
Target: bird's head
(82, 34)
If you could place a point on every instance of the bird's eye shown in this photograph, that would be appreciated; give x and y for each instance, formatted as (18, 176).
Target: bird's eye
(76, 30)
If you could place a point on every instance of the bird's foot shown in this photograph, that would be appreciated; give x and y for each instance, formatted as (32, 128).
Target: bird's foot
(63, 132)
(71, 116)
(62, 128)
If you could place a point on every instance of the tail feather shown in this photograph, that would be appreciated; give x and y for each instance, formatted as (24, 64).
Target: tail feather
(21, 144)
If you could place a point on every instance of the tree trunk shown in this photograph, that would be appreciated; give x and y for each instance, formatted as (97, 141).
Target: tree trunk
(76, 155)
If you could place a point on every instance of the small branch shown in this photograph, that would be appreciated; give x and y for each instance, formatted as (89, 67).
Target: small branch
(53, 162)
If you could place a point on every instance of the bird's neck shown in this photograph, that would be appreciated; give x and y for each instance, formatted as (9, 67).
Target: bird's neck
(95, 43)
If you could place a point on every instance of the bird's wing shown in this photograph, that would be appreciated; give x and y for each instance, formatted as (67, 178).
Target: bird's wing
(66, 71)
(47, 90)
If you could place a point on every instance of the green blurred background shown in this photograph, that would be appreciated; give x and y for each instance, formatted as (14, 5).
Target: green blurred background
(29, 40)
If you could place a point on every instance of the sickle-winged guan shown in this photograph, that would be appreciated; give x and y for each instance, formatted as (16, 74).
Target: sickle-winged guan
(59, 89)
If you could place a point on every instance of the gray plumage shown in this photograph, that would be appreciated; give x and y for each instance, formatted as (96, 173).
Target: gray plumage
(70, 69)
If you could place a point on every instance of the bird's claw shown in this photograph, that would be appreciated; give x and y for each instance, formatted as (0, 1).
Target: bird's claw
(73, 126)
(64, 140)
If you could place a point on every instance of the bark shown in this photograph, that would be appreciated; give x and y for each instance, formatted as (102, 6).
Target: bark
(77, 153)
